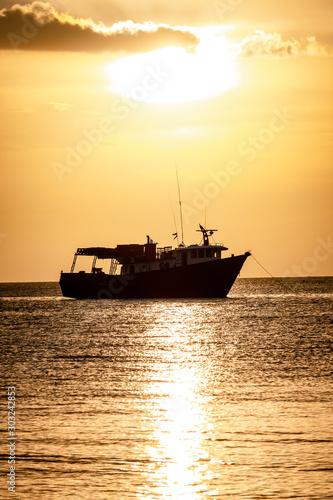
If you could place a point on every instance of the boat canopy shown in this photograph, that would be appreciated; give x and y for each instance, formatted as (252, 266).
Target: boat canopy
(120, 251)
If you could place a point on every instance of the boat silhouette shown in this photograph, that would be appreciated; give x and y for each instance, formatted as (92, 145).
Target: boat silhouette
(194, 271)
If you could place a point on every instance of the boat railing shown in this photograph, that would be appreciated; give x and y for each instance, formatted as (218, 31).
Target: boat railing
(161, 251)
(221, 245)
(216, 245)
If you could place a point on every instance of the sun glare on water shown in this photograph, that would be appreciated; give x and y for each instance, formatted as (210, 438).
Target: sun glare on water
(173, 74)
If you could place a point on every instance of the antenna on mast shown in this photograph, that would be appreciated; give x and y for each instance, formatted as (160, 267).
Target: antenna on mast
(180, 207)
(174, 219)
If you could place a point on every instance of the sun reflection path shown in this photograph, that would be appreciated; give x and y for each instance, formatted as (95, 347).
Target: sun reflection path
(179, 435)
(179, 461)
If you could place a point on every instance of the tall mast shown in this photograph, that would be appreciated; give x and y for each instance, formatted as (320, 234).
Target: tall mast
(174, 219)
(180, 208)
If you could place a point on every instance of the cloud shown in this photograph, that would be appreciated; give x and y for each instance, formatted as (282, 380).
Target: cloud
(60, 106)
(271, 45)
(38, 26)
(313, 48)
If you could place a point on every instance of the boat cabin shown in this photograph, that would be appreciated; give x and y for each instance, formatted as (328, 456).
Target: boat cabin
(135, 258)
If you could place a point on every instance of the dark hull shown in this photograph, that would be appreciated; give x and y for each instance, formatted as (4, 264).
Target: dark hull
(207, 280)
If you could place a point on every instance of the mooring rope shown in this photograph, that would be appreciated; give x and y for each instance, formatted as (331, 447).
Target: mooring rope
(274, 277)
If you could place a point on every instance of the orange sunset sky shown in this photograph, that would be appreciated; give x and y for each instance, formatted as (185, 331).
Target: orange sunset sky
(100, 98)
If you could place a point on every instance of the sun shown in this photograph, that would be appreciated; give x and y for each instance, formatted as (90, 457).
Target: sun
(173, 74)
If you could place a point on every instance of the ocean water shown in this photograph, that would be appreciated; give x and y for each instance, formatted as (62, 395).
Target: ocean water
(169, 399)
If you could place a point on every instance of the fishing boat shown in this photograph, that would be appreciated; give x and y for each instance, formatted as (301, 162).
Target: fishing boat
(145, 271)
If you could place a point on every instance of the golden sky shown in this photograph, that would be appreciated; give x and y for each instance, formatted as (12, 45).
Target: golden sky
(99, 99)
